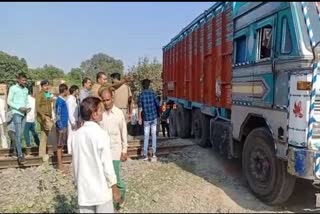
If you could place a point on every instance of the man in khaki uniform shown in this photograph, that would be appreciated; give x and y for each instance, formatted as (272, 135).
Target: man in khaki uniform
(122, 97)
(44, 115)
(102, 80)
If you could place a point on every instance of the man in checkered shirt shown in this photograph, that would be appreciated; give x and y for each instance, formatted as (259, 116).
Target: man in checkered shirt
(148, 111)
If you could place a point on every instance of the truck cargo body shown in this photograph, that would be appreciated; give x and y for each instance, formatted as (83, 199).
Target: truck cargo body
(244, 78)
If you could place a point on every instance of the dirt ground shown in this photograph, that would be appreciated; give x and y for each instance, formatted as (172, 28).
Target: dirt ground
(196, 180)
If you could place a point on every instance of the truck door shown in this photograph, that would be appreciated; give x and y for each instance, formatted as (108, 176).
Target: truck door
(263, 74)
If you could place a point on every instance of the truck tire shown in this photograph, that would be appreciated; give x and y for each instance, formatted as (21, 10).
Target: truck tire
(172, 123)
(221, 137)
(205, 130)
(183, 122)
(201, 128)
(196, 123)
(266, 175)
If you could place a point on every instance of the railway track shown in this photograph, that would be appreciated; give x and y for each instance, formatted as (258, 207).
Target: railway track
(50, 148)
(134, 151)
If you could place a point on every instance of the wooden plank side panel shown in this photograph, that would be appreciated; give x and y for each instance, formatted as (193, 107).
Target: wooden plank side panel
(181, 71)
(189, 67)
(175, 56)
(218, 60)
(168, 70)
(198, 69)
(206, 63)
(200, 64)
(170, 77)
(184, 66)
(226, 38)
(213, 63)
(194, 64)
(163, 74)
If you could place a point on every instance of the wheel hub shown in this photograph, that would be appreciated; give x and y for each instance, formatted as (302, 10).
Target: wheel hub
(260, 166)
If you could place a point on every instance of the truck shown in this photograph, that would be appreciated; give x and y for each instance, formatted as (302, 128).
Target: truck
(244, 79)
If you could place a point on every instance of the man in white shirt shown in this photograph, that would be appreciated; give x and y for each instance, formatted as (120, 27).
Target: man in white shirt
(73, 112)
(4, 142)
(114, 123)
(30, 121)
(93, 170)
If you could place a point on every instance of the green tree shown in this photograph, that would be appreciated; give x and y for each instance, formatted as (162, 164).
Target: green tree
(10, 66)
(101, 62)
(146, 68)
(48, 72)
(75, 76)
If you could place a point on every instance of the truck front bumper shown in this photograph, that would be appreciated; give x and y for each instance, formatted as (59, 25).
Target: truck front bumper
(304, 163)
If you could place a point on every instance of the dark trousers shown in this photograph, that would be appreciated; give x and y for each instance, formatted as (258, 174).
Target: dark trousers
(165, 126)
(30, 127)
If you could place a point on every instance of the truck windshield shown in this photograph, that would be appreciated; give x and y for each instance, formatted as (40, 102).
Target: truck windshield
(313, 9)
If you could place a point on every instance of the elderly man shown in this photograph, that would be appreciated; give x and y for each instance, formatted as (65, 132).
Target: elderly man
(44, 116)
(18, 102)
(114, 123)
(102, 80)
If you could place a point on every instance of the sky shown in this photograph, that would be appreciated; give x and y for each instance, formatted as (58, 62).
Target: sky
(64, 34)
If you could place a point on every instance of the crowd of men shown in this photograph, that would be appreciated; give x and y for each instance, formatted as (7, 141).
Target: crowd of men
(92, 122)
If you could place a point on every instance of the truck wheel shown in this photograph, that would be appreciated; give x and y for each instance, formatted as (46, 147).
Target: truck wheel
(196, 123)
(221, 137)
(183, 122)
(266, 175)
(201, 128)
(205, 131)
(172, 123)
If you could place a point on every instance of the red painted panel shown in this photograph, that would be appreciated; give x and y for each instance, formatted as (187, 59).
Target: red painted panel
(206, 64)
(189, 67)
(180, 71)
(201, 63)
(213, 63)
(194, 64)
(163, 74)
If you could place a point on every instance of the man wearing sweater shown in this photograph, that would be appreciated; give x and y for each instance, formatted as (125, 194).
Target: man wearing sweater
(61, 121)
(114, 123)
(93, 170)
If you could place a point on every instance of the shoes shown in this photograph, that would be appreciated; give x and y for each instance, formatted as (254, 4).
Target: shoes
(120, 205)
(154, 158)
(145, 158)
(21, 160)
